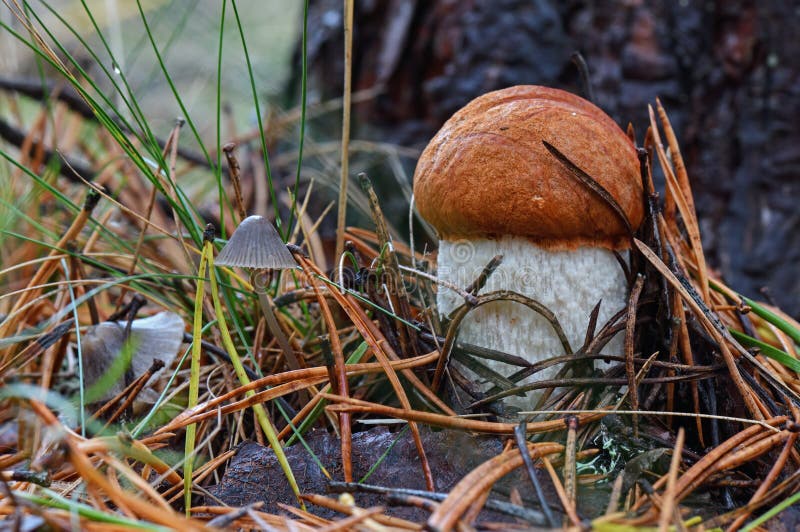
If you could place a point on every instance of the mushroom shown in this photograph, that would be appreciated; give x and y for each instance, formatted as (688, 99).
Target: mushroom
(489, 186)
(156, 337)
(257, 246)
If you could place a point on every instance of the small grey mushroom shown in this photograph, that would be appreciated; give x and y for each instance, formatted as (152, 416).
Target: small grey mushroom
(155, 337)
(257, 246)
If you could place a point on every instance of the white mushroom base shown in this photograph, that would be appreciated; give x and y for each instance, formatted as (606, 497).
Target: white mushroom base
(569, 283)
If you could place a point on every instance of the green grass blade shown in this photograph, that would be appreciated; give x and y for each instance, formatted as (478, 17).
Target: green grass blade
(194, 379)
(177, 31)
(148, 142)
(772, 512)
(54, 500)
(768, 350)
(83, 396)
(303, 103)
(116, 72)
(383, 456)
(284, 232)
(172, 87)
(220, 188)
(774, 319)
(185, 207)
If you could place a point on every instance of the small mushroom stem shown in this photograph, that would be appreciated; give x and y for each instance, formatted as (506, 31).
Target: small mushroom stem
(268, 309)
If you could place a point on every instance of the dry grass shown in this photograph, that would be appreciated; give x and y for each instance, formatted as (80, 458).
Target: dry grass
(370, 351)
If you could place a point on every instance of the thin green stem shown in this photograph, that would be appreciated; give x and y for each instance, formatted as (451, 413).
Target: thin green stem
(284, 232)
(194, 378)
(303, 102)
(218, 172)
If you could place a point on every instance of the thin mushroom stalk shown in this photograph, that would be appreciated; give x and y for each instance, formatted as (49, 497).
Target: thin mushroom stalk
(268, 309)
(257, 246)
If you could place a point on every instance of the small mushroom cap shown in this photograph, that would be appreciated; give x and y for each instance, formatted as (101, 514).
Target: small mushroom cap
(487, 174)
(256, 244)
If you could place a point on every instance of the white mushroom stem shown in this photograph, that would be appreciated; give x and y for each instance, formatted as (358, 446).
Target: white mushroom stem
(569, 283)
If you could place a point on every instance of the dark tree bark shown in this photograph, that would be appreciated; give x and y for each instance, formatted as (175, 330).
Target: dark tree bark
(728, 73)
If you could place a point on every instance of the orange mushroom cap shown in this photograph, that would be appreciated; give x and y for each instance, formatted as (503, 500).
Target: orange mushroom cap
(487, 174)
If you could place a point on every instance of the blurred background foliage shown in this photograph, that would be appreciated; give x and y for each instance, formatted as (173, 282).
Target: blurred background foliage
(188, 35)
